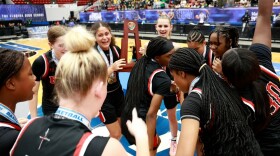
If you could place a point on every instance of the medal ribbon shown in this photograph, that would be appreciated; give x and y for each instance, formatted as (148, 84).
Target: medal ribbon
(106, 59)
(193, 83)
(8, 114)
(104, 56)
(54, 58)
(70, 114)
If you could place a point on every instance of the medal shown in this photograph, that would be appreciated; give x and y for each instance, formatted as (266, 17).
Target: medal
(112, 78)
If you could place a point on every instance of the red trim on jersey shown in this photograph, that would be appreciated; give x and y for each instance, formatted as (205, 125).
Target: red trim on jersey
(248, 103)
(21, 133)
(10, 125)
(81, 142)
(116, 51)
(269, 72)
(101, 116)
(197, 90)
(210, 59)
(150, 85)
(46, 66)
(156, 142)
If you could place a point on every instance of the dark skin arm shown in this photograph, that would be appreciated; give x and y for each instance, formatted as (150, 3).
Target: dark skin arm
(263, 28)
(151, 118)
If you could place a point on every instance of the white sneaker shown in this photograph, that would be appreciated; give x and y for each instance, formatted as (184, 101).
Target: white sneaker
(173, 148)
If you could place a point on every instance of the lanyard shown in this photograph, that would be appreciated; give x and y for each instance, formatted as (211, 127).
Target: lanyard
(54, 58)
(194, 81)
(8, 114)
(104, 56)
(70, 114)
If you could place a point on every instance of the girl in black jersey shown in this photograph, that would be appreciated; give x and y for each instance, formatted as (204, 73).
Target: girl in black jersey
(164, 29)
(148, 84)
(16, 83)
(113, 104)
(213, 107)
(81, 86)
(252, 73)
(44, 69)
(196, 41)
(220, 40)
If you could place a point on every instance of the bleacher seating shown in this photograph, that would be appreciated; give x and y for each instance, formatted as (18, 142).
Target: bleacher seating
(40, 1)
(83, 2)
(64, 1)
(20, 2)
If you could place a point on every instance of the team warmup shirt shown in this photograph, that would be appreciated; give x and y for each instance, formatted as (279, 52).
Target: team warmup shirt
(208, 56)
(8, 133)
(58, 135)
(192, 109)
(44, 69)
(269, 137)
(113, 104)
(156, 81)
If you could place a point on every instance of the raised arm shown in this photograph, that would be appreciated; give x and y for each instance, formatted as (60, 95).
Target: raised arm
(263, 27)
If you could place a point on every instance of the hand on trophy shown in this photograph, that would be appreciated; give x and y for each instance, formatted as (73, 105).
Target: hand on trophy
(118, 65)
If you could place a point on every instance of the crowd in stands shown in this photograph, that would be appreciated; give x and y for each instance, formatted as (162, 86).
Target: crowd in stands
(165, 4)
(13, 29)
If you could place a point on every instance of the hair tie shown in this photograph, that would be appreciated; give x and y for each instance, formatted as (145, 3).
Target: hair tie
(202, 66)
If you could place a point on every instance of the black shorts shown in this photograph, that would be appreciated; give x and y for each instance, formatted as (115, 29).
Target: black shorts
(113, 106)
(170, 102)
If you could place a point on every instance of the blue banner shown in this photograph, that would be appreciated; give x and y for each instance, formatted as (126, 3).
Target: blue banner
(179, 16)
(34, 13)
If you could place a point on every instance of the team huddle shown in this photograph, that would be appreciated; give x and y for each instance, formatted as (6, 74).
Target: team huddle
(229, 96)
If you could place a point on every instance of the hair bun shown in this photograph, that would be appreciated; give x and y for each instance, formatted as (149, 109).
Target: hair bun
(78, 39)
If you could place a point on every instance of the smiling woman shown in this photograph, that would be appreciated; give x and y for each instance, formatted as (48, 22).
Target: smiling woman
(113, 104)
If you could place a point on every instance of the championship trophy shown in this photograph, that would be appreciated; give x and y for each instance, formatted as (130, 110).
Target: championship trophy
(130, 26)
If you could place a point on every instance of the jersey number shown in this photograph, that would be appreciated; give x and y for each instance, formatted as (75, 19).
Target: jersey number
(52, 79)
(274, 99)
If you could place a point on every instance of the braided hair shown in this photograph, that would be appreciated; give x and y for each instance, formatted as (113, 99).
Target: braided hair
(227, 128)
(230, 33)
(135, 94)
(242, 70)
(10, 64)
(195, 35)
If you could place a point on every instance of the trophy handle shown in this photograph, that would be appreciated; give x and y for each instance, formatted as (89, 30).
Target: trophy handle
(130, 26)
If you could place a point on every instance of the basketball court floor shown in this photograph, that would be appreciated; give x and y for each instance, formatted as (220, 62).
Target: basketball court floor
(41, 45)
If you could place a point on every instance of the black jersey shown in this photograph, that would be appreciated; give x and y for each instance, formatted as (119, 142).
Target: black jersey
(269, 137)
(44, 69)
(116, 56)
(114, 102)
(192, 109)
(50, 135)
(8, 135)
(208, 56)
(156, 82)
